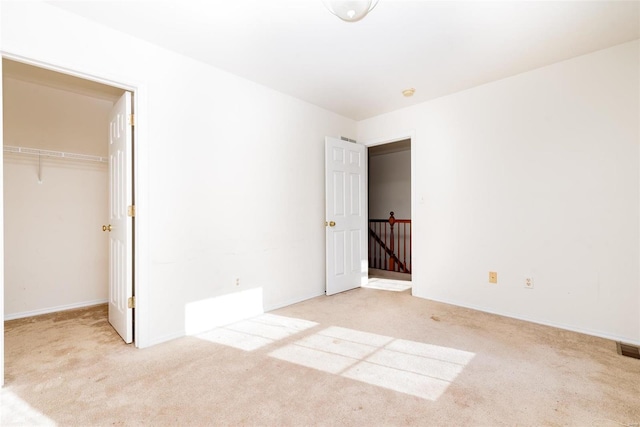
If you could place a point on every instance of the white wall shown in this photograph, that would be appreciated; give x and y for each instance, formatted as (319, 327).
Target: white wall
(390, 185)
(230, 174)
(55, 252)
(535, 175)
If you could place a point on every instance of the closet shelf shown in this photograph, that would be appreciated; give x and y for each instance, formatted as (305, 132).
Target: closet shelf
(55, 154)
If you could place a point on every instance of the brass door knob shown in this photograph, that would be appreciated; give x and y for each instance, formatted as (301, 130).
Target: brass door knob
(332, 223)
(106, 227)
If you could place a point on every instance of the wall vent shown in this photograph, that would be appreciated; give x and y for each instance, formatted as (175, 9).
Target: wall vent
(628, 350)
(344, 138)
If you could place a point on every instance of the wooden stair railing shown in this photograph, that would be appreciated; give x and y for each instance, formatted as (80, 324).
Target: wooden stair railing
(383, 251)
(393, 258)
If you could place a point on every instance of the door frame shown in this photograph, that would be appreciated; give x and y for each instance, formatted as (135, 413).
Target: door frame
(140, 188)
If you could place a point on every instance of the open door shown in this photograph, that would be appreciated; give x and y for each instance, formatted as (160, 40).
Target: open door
(121, 218)
(346, 215)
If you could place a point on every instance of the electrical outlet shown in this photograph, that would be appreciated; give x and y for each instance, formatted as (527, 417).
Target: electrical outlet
(493, 277)
(528, 282)
(238, 281)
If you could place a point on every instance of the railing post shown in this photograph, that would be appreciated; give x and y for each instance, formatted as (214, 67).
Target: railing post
(392, 263)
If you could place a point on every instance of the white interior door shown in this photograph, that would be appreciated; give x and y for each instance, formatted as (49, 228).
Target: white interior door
(346, 215)
(121, 224)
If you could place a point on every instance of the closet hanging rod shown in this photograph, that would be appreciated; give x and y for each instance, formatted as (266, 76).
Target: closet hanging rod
(55, 154)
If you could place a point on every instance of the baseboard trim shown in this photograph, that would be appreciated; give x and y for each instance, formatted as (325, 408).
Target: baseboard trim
(293, 301)
(165, 338)
(23, 314)
(557, 325)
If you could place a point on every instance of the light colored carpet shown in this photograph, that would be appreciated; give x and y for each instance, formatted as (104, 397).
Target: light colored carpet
(361, 358)
(385, 284)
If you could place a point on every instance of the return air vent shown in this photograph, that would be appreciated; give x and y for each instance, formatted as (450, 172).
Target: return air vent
(628, 350)
(344, 138)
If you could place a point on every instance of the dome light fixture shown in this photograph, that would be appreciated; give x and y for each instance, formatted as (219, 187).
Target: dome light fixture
(408, 92)
(350, 10)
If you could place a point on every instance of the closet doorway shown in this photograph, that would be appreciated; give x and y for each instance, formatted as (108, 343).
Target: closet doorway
(56, 190)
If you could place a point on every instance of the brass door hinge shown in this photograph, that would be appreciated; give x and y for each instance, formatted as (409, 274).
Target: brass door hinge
(131, 120)
(131, 302)
(131, 210)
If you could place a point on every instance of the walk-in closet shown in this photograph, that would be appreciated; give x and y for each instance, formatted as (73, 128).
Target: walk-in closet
(55, 190)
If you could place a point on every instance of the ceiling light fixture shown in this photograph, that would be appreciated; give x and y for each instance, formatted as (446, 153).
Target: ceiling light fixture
(350, 10)
(408, 92)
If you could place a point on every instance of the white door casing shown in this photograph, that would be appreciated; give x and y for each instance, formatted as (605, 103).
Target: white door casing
(120, 224)
(346, 215)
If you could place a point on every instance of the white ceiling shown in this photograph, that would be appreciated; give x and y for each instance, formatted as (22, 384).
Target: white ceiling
(359, 69)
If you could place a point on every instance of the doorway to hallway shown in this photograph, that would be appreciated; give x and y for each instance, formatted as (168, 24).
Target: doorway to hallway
(390, 211)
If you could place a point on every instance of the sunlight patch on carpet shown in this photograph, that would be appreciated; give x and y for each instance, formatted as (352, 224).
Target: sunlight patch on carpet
(418, 369)
(16, 412)
(257, 332)
(332, 350)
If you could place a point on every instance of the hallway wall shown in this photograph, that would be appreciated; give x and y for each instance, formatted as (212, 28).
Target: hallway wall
(390, 185)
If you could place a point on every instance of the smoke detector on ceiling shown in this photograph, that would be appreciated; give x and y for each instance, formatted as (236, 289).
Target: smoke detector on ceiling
(408, 92)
